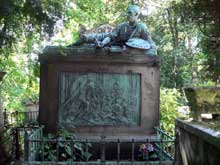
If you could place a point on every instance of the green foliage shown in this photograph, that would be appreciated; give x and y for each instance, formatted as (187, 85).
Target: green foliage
(205, 16)
(27, 18)
(20, 85)
(211, 68)
(170, 101)
(67, 150)
(23, 25)
(175, 41)
(6, 145)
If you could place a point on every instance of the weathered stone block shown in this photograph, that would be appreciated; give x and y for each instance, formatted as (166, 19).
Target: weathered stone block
(196, 144)
(94, 92)
(203, 100)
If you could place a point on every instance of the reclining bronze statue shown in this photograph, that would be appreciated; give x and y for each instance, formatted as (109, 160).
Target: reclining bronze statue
(133, 34)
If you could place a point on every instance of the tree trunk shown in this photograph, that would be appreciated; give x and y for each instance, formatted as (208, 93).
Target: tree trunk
(172, 20)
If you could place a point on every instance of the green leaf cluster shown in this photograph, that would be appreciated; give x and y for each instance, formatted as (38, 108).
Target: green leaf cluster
(26, 20)
(204, 15)
(170, 101)
(68, 151)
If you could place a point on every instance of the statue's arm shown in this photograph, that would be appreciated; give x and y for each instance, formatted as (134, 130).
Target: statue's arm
(145, 34)
(106, 41)
(111, 36)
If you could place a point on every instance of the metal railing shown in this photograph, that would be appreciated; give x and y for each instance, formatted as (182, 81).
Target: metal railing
(18, 118)
(163, 148)
(34, 145)
(16, 123)
(169, 147)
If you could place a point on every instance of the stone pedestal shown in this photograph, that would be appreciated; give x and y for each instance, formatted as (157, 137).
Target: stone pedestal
(96, 93)
(203, 100)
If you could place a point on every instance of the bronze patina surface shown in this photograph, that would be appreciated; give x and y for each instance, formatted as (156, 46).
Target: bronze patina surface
(128, 33)
(99, 99)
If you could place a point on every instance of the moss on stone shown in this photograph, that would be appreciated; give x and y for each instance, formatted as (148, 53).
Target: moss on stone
(213, 125)
(203, 99)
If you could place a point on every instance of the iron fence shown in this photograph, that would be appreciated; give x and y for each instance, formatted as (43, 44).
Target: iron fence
(16, 123)
(168, 147)
(163, 146)
(19, 118)
(30, 140)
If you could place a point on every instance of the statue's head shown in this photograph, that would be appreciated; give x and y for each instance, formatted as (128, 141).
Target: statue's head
(133, 13)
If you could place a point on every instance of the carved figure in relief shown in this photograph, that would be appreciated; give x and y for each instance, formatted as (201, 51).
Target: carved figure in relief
(132, 33)
(89, 103)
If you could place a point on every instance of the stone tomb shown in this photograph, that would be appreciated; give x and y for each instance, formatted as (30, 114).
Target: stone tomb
(97, 93)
